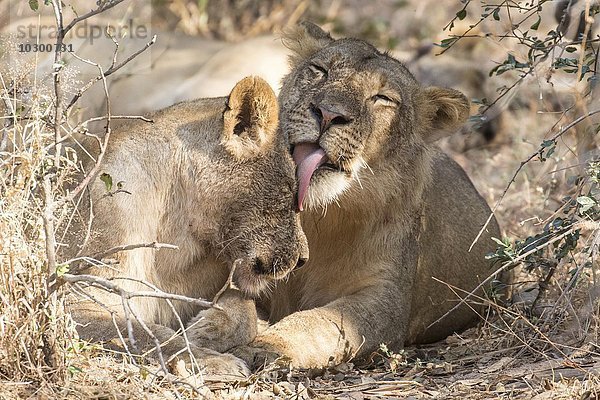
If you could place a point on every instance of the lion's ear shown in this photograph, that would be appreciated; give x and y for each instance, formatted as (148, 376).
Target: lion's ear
(444, 111)
(250, 121)
(304, 40)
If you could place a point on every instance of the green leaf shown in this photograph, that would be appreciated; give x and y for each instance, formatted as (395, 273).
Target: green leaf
(496, 14)
(536, 25)
(570, 49)
(586, 203)
(500, 242)
(548, 143)
(62, 269)
(584, 200)
(447, 42)
(107, 179)
(74, 370)
(461, 14)
(33, 4)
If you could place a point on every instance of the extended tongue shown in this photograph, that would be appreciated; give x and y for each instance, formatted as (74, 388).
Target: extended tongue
(308, 157)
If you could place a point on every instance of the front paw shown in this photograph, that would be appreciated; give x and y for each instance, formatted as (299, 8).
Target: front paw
(212, 365)
(234, 323)
(260, 356)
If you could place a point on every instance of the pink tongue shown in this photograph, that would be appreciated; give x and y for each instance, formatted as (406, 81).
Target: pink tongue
(308, 157)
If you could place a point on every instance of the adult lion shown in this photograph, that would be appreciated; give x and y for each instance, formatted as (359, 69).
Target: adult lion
(212, 177)
(384, 209)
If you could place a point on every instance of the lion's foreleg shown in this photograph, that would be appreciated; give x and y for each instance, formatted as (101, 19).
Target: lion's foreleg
(160, 342)
(348, 327)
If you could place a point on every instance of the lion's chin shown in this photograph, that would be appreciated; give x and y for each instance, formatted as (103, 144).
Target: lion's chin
(252, 285)
(326, 186)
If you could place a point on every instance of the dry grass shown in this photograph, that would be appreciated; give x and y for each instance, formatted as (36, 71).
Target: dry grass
(35, 332)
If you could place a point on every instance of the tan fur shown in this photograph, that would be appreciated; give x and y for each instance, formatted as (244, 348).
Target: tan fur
(212, 177)
(252, 109)
(401, 211)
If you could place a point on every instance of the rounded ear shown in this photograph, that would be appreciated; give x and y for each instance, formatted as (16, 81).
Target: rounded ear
(250, 121)
(444, 111)
(304, 40)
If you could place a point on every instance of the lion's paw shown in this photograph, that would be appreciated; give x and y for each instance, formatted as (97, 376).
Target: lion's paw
(258, 357)
(233, 323)
(212, 365)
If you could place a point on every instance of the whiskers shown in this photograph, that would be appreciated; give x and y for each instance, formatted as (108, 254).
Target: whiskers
(364, 164)
(226, 243)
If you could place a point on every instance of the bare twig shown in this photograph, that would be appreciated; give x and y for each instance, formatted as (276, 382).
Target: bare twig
(151, 334)
(103, 145)
(195, 366)
(90, 221)
(55, 281)
(229, 284)
(110, 71)
(108, 285)
(104, 5)
(523, 163)
(506, 266)
(127, 247)
(114, 315)
(48, 217)
(57, 67)
(125, 305)
(515, 315)
(81, 125)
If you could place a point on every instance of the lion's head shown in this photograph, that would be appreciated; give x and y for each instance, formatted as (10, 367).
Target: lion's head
(260, 230)
(350, 110)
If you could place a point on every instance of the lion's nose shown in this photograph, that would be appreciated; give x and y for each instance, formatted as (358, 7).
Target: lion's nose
(328, 116)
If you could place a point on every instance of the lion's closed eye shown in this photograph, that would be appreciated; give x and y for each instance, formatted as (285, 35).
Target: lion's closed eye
(383, 100)
(318, 70)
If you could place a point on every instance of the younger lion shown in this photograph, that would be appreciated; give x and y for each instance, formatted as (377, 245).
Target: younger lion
(212, 177)
(388, 216)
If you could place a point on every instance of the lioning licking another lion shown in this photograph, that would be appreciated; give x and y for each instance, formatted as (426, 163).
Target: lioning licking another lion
(388, 217)
(384, 210)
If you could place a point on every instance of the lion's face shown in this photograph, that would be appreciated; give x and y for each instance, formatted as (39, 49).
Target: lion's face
(260, 231)
(349, 108)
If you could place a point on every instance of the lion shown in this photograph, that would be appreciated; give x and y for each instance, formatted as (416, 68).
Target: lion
(389, 218)
(212, 177)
